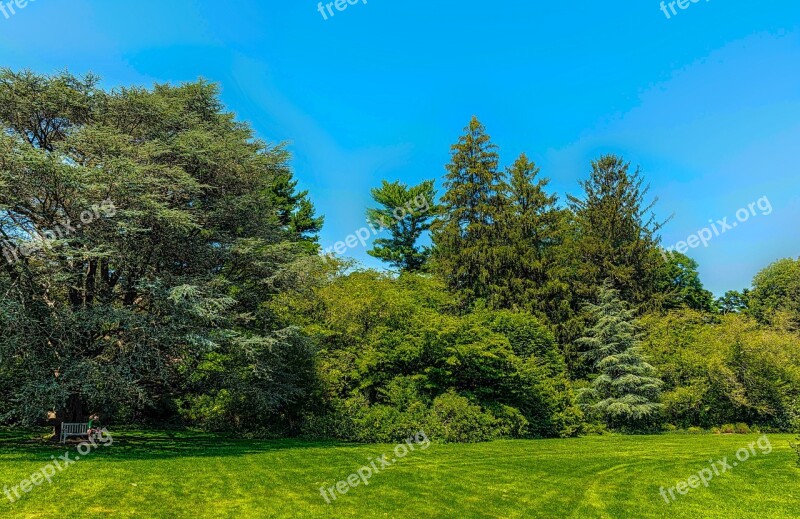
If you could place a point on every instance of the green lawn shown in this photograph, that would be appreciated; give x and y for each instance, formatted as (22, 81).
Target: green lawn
(160, 474)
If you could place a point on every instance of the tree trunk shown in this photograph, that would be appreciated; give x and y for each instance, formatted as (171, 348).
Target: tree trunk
(71, 413)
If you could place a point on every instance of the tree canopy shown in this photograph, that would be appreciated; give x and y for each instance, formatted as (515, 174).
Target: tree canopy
(206, 224)
(159, 265)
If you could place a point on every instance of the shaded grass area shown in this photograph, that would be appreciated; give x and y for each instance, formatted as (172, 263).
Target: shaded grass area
(186, 474)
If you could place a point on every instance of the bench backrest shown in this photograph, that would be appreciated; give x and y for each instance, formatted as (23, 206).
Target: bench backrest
(71, 428)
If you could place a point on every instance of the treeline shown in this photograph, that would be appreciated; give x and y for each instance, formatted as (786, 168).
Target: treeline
(205, 299)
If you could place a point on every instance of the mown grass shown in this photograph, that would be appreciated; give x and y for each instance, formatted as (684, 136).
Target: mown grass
(163, 474)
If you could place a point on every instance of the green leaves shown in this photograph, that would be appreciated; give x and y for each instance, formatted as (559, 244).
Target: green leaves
(725, 370)
(775, 297)
(680, 284)
(392, 345)
(121, 310)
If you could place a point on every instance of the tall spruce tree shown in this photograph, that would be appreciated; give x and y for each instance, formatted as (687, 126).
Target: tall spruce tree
(529, 232)
(466, 236)
(625, 390)
(615, 234)
(407, 212)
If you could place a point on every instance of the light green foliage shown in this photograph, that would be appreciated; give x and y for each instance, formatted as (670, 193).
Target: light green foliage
(725, 370)
(390, 349)
(456, 419)
(775, 297)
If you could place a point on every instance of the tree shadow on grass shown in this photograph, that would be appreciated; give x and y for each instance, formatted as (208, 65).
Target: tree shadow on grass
(135, 444)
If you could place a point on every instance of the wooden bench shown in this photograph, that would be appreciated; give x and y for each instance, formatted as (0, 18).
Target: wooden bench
(73, 429)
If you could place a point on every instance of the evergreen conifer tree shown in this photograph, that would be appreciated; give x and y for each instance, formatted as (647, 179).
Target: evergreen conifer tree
(530, 231)
(625, 389)
(466, 236)
(407, 213)
(615, 234)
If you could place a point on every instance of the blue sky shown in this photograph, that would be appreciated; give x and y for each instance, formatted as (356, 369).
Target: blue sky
(707, 102)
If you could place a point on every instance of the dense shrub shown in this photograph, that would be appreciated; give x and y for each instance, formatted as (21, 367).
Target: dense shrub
(725, 370)
(449, 418)
(394, 357)
(456, 419)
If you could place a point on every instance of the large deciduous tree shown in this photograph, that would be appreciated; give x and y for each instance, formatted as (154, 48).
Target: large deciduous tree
(775, 297)
(680, 285)
(124, 311)
(734, 301)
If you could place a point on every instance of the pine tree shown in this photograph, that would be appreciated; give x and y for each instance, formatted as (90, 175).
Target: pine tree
(625, 389)
(465, 236)
(407, 212)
